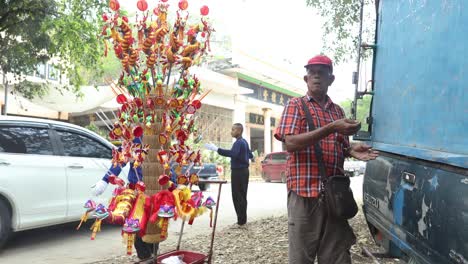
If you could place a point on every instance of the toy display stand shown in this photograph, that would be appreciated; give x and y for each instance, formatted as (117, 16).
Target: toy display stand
(190, 257)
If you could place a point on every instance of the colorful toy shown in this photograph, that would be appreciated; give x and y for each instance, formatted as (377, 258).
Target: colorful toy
(157, 96)
(90, 206)
(100, 214)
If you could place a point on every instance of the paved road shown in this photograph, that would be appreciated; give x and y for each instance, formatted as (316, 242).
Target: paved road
(62, 244)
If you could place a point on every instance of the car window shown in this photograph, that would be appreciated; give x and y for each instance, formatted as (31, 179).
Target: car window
(279, 157)
(25, 140)
(77, 145)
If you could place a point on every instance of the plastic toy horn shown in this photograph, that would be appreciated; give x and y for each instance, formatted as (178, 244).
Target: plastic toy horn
(90, 206)
(209, 203)
(130, 227)
(165, 212)
(100, 214)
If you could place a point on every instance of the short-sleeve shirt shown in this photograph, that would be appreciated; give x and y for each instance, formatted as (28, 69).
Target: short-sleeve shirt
(302, 171)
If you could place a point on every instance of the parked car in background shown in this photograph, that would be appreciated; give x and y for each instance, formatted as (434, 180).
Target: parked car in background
(47, 169)
(355, 167)
(274, 167)
(207, 171)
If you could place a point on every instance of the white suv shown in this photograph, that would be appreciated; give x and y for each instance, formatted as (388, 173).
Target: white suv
(47, 169)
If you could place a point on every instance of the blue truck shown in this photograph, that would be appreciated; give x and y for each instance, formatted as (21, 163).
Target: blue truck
(416, 193)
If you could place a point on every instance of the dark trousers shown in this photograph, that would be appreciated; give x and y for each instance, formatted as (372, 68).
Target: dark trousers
(145, 250)
(239, 185)
(312, 232)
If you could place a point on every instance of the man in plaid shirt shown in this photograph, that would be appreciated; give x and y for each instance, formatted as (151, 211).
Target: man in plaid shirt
(311, 231)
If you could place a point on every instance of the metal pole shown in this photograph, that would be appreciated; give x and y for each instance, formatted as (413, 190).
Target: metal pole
(180, 235)
(104, 121)
(356, 92)
(5, 85)
(106, 118)
(210, 254)
(369, 254)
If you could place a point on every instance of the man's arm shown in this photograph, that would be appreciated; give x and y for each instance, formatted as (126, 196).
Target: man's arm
(304, 140)
(233, 153)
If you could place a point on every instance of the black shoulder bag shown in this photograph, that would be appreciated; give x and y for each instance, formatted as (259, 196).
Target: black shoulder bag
(335, 189)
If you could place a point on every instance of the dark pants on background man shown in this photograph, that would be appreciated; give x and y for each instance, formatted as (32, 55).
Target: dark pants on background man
(313, 232)
(145, 250)
(239, 185)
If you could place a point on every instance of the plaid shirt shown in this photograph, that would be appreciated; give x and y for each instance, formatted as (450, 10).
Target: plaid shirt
(303, 175)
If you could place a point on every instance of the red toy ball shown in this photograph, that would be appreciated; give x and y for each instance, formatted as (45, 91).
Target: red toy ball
(142, 5)
(114, 5)
(183, 4)
(204, 10)
(138, 132)
(121, 99)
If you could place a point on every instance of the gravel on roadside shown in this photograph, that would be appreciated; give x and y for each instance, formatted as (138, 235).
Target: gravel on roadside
(263, 241)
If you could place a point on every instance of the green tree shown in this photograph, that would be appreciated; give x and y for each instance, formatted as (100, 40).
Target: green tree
(97, 130)
(363, 110)
(341, 26)
(33, 31)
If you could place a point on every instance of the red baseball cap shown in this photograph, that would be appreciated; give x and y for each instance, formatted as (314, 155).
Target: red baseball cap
(320, 60)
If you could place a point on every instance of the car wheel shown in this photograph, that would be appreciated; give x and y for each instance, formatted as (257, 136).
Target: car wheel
(283, 177)
(5, 224)
(202, 186)
(265, 177)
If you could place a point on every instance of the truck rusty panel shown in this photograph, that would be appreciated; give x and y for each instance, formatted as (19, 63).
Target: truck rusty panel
(421, 207)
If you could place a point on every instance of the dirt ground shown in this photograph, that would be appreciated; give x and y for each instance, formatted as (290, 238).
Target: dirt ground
(263, 241)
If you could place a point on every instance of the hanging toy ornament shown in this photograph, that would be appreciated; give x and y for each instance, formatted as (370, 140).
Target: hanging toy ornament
(163, 138)
(138, 132)
(100, 214)
(182, 180)
(114, 5)
(165, 212)
(183, 4)
(204, 10)
(142, 5)
(121, 99)
(130, 227)
(163, 180)
(90, 206)
(210, 203)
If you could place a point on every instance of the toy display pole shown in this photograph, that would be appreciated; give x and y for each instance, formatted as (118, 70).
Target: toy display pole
(180, 235)
(210, 254)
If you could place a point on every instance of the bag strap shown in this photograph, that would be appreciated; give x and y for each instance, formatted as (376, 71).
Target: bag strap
(317, 148)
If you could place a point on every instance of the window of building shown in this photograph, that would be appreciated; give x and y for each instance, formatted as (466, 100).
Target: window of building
(41, 70)
(53, 73)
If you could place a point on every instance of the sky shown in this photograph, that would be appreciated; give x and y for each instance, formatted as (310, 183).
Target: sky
(278, 34)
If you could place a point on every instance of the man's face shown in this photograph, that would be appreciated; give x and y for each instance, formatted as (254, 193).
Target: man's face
(235, 131)
(318, 78)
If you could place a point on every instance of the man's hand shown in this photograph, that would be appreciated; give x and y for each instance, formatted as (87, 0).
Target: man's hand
(211, 146)
(363, 152)
(346, 126)
(99, 187)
